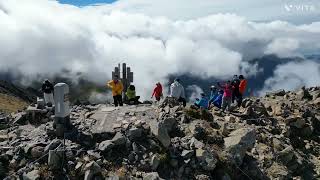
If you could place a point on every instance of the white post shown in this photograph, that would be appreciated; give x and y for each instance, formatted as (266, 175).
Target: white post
(62, 108)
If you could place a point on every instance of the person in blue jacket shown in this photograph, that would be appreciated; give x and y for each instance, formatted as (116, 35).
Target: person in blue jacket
(214, 93)
(203, 102)
(218, 100)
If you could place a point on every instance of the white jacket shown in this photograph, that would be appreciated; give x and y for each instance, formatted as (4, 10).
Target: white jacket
(177, 90)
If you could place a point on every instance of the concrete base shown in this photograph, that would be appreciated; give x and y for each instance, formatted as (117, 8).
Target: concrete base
(62, 125)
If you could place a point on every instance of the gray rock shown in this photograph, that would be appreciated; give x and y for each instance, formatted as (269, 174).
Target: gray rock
(186, 154)
(281, 92)
(115, 177)
(151, 176)
(194, 143)
(134, 133)
(33, 175)
(37, 151)
(91, 169)
(55, 159)
(155, 161)
(118, 139)
(161, 129)
(206, 159)
(237, 144)
(53, 144)
(20, 118)
(106, 145)
(304, 94)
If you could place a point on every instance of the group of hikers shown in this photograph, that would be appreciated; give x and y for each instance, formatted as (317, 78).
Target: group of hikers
(222, 95)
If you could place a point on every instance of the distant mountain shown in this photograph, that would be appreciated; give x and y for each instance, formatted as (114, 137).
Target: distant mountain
(25, 94)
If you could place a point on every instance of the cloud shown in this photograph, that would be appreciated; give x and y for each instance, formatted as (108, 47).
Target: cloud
(195, 92)
(96, 97)
(302, 11)
(293, 75)
(41, 38)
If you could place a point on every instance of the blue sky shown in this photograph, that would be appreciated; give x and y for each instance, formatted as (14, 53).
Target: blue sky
(85, 2)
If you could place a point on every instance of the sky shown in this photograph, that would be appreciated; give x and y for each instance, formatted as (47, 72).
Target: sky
(207, 38)
(85, 2)
(295, 11)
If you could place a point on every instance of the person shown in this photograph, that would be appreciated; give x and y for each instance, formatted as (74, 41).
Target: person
(47, 89)
(214, 93)
(218, 100)
(131, 95)
(117, 88)
(227, 95)
(177, 91)
(242, 89)
(157, 92)
(235, 88)
(203, 102)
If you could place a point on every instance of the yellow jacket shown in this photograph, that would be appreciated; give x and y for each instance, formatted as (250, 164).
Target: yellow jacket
(116, 88)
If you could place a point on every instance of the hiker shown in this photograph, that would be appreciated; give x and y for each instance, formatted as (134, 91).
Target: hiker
(235, 88)
(131, 95)
(227, 95)
(47, 89)
(157, 92)
(202, 102)
(214, 93)
(117, 88)
(217, 101)
(242, 89)
(177, 91)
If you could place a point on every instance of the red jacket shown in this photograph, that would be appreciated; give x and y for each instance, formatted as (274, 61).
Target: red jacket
(157, 92)
(243, 86)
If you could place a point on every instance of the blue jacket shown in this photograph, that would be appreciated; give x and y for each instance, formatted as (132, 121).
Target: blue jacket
(203, 102)
(218, 100)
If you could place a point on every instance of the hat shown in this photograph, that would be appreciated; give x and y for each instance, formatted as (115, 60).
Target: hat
(213, 87)
(241, 77)
(177, 79)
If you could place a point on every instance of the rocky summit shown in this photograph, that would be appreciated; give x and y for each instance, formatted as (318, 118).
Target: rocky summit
(271, 137)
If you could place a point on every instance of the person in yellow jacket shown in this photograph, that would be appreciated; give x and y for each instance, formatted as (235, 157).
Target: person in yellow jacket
(117, 88)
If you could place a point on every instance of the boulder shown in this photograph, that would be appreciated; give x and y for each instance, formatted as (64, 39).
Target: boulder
(134, 133)
(277, 171)
(186, 154)
(155, 162)
(91, 169)
(105, 146)
(55, 159)
(32, 175)
(206, 159)
(20, 118)
(37, 152)
(303, 94)
(237, 144)
(280, 92)
(53, 145)
(151, 176)
(162, 129)
(119, 139)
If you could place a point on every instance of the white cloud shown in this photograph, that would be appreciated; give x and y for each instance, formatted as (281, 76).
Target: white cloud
(283, 47)
(195, 92)
(293, 75)
(302, 11)
(43, 37)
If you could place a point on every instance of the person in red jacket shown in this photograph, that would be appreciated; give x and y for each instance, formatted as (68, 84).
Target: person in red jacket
(157, 92)
(242, 89)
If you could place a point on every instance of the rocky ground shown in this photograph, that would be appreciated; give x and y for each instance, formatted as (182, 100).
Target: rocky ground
(271, 137)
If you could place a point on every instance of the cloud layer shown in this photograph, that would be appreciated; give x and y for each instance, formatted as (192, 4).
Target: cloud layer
(40, 37)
